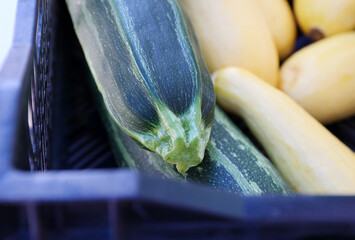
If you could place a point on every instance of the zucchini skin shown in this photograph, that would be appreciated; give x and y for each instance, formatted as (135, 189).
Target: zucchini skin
(147, 65)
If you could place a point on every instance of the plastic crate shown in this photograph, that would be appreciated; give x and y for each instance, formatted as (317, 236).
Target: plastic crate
(58, 178)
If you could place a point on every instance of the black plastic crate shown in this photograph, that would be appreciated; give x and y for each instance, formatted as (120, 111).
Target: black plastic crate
(58, 178)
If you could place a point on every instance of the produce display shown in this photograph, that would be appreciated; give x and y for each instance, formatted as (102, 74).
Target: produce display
(152, 62)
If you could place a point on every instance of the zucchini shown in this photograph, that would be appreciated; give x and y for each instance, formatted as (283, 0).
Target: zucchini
(147, 65)
(310, 158)
(231, 162)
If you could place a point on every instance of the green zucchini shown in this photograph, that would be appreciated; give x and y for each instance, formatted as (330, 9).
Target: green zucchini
(147, 65)
(231, 162)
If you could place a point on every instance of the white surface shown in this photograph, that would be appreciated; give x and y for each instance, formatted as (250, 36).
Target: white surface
(7, 25)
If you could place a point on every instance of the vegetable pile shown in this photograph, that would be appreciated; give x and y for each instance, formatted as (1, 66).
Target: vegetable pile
(152, 62)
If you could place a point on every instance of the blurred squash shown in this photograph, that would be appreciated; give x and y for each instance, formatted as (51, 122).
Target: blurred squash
(321, 77)
(324, 18)
(279, 17)
(234, 33)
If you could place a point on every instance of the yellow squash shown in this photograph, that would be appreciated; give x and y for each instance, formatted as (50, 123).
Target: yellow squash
(234, 33)
(321, 77)
(279, 17)
(323, 18)
(310, 158)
